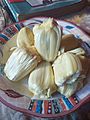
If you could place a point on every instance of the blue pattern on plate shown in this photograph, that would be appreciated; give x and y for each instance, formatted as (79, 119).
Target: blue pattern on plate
(69, 105)
(18, 26)
(4, 36)
(69, 27)
(36, 20)
(39, 106)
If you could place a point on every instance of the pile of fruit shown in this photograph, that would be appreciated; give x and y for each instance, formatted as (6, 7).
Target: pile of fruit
(53, 61)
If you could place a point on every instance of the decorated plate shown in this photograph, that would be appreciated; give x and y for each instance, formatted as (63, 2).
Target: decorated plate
(56, 106)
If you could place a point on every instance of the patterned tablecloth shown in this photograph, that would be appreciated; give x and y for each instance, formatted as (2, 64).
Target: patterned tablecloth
(9, 114)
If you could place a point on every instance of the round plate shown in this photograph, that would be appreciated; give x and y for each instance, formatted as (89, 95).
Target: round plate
(43, 108)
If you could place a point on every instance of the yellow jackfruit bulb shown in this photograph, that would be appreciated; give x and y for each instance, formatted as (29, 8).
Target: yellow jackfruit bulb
(67, 67)
(20, 64)
(34, 52)
(25, 38)
(41, 80)
(47, 36)
(78, 51)
(69, 89)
